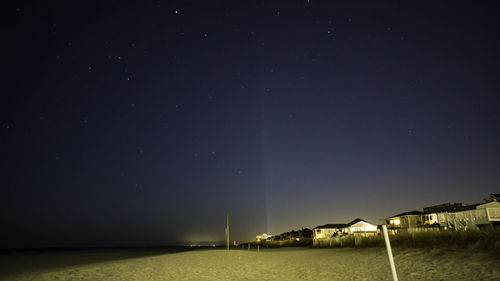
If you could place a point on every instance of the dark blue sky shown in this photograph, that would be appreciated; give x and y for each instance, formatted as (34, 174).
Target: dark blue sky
(143, 123)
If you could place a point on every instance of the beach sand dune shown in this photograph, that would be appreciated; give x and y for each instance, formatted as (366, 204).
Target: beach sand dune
(268, 264)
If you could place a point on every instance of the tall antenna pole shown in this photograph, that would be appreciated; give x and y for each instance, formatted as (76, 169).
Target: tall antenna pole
(227, 232)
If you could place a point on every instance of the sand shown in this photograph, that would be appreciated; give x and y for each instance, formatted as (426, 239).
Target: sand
(268, 264)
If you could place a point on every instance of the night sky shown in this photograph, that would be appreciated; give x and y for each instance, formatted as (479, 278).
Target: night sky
(142, 123)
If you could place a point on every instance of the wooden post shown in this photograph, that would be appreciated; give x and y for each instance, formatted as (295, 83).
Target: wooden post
(227, 232)
(389, 253)
(258, 248)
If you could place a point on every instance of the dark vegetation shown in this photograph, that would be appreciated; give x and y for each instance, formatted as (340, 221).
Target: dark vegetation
(484, 240)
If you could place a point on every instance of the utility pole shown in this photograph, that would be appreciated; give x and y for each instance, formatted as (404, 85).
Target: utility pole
(227, 232)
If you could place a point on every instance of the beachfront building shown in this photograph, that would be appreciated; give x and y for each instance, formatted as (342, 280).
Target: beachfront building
(464, 220)
(407, 221)
(343, 234)
(327, 230)
(359, 226)
(492, 211)
(328, 234)
(430, 217)
(484, 215)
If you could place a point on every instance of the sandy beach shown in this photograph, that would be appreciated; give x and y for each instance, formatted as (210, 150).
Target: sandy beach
(268, 264)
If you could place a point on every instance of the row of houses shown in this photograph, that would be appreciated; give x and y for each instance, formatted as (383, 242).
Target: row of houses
(434, 218)
(447, 216)
(355, 227)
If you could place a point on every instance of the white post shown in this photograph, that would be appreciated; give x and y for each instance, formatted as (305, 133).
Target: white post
(258, 248)
(389, 252)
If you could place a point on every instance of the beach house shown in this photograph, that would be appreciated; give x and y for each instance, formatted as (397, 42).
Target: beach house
(430, 216)
(359, 226)
(327, 230)
(483, 215)
(492, 211)
(407, 221)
